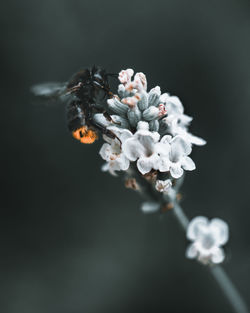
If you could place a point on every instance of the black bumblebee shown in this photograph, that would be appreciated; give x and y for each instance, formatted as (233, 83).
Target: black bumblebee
(83, 94)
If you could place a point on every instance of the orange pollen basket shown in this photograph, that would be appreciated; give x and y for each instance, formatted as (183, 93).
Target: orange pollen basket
(85, 135)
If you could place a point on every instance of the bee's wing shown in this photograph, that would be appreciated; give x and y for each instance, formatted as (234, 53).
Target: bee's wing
(50, 90)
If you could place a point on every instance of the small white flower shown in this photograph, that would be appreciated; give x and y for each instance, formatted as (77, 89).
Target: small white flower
(143, 148)
(112, 153)
(162, 141)
(174, 156)
(163, 185)
(207, 237)
(173, 104)
(178, 126)
(154, 96)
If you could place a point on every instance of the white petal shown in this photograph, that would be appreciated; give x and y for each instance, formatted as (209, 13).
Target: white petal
(188, 164)
(105, 151)
(194, 227)
(121, 133)
(175, 170)
(174, 105)
(196, 140)
(218, 256)
(146, 140)
(220, 230)
(156, 135)
(164, 164)
(150, 207)
(153, 137)
(112, 171)
(115, 147)
(163, 185)
(166, 139)
(191, 252)
(164, 97)
(126, 134)
(133, 149)
(146, 164)
(162, 148)
(185, 120)
(123, 162)
(105, 167)
(179, 148)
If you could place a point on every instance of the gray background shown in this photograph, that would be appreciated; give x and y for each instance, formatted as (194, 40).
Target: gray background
(73, 238)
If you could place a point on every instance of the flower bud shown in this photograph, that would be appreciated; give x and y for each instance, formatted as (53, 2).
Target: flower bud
(101, 120)
(154, 126)
(154, 95)
(163, 185)
(121, 91)
(140, 81)
(150, 113)
(143, 103)
(120, 121)
(117, 106)
(125, 75)
(131, 101)
(134, 116)
(142, 125)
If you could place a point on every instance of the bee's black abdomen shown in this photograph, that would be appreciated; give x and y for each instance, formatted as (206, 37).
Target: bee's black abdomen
(85, 93)
(75, 116)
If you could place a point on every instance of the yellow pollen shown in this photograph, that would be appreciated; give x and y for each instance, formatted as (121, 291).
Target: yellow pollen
(85, 135)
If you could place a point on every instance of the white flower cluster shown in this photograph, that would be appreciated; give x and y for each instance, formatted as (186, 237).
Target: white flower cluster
(152, 130)
(207, 237)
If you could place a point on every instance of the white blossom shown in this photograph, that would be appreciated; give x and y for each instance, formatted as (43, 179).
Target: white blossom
(163, 185)
(112, 152)
(177, 122)
(156, 128)
(143, 148)
(177, 125)
(173, 104)
(207, 237)
(174, 156)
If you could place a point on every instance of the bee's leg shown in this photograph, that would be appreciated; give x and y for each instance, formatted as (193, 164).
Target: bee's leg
(106, 115)
(74, 88)
(109, 118)
(107, 132)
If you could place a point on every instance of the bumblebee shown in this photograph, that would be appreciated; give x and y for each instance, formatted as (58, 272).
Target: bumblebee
(83, 93)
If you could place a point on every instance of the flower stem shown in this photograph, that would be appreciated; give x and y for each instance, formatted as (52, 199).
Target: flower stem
(221, 277)
(230, 291)
(180, 215)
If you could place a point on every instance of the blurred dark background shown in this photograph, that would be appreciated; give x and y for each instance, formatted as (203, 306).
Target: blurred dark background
(73, 239)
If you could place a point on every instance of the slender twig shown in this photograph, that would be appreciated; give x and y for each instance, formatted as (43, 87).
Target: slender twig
(229, 289)
(221, 277)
